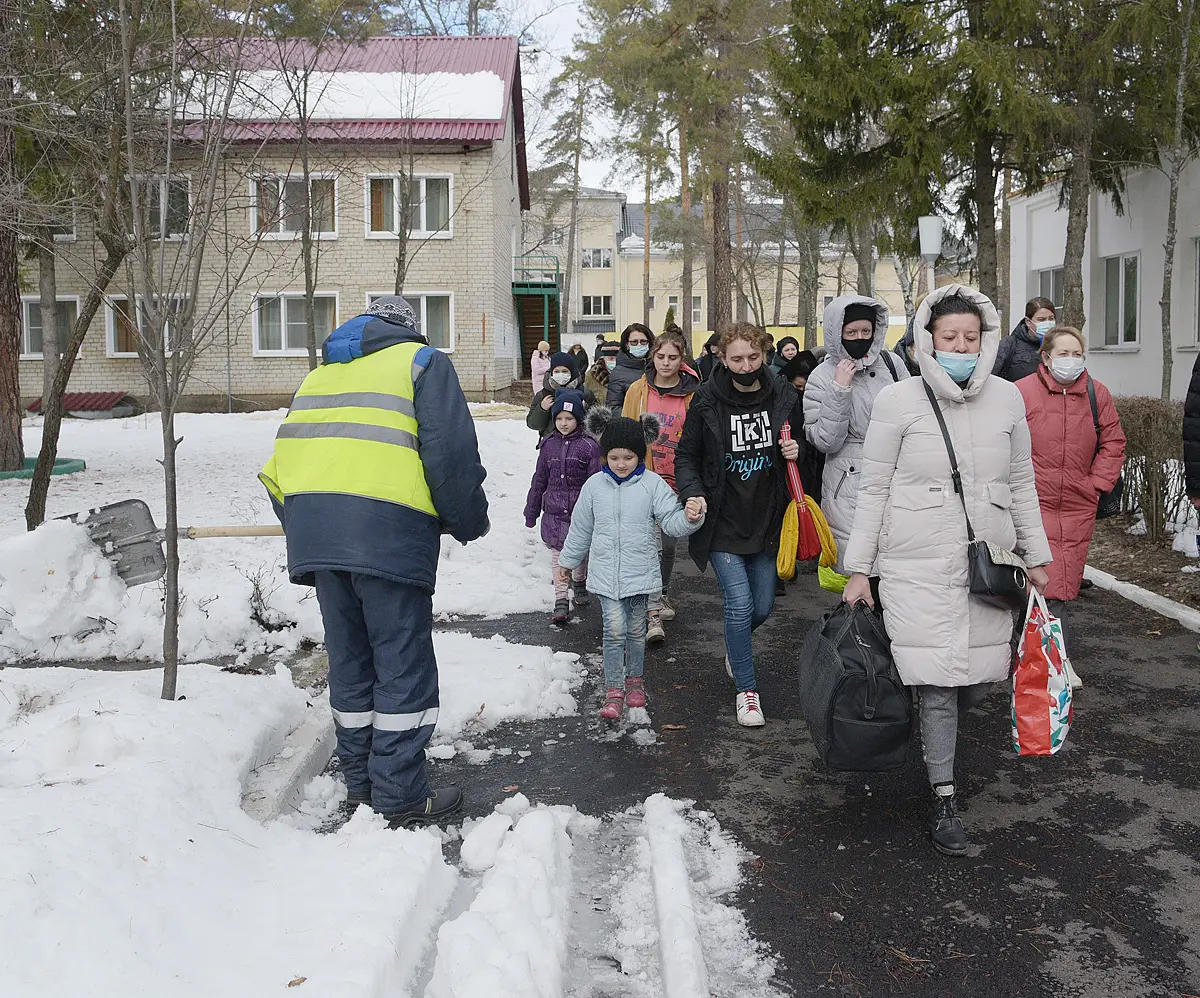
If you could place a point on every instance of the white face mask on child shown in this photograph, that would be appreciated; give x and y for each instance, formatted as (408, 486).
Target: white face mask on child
(560, 377)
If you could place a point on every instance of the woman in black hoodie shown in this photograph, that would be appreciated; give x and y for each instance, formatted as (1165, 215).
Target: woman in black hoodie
(632, 361)
(708, 357)
(730, 456)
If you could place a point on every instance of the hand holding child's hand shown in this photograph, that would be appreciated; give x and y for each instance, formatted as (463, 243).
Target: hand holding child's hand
(562, 575)
(695, 509)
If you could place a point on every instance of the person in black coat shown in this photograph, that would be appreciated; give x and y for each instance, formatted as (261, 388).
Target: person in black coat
(563, 375)
(906, 350)
(1020, 353)
(633, 360)
(708, 357)
(812, 461)
(1191, 436)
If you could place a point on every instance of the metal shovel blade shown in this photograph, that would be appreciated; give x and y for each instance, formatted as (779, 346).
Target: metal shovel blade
(126, 533)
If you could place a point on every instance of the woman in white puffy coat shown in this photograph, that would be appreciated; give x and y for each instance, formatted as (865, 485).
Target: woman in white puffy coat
(838, 399)
(911, 529)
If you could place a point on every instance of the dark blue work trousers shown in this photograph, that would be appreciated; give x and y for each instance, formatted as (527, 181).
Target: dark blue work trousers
(383, 684)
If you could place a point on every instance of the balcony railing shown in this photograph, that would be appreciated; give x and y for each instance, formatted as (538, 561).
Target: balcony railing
(537, 269)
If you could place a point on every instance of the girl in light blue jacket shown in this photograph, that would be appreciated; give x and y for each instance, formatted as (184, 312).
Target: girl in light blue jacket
(615, 525)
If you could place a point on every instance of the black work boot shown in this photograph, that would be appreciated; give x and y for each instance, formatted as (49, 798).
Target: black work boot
(440, 804)
(945, 826)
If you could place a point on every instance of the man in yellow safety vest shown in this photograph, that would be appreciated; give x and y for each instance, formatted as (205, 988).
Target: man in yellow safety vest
(376, 459)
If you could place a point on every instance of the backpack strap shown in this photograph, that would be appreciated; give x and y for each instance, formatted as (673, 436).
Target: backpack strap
(955, 477)
(886, 356)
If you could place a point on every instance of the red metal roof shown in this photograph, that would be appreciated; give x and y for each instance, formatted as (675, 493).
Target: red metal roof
(396, 54)
(85, 401)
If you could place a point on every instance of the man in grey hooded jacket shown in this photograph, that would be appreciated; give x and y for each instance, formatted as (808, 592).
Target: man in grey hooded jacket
(838, 399)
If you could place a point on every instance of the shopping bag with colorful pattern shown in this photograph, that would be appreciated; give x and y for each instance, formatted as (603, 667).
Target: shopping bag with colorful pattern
(1042, 707)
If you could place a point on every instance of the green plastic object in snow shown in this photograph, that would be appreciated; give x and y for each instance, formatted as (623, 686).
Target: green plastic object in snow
(62, 466)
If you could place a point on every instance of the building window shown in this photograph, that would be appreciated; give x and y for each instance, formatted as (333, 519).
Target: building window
(435, 317)
(597, 259)
(428, 206)
(673, 302)
(697, 309)
(553, 237)
(653, 302)
(827, 301)
(597, 305)
(123, 337)
(1050, 285)
(153, 193)
(1121, 300)
(280, 326)
(279, 206)
(67, 311)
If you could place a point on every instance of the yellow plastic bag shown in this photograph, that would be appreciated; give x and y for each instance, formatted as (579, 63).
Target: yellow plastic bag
(830, 580)
(789, 539)
(835, 582)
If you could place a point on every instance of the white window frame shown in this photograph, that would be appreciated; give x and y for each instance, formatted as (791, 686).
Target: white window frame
(1051, 271)
(555, 236)
(605, 254)
(110, 326)
(257, 351)
(162, 179)
(422, 294)
(396, 178)
(596, 315)
(697, 309)
(673, 302)
(283, 178)
(1122, 343)
(26, 301)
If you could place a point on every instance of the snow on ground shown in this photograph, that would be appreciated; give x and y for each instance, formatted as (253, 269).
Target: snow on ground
(228, 583)
(131, 868)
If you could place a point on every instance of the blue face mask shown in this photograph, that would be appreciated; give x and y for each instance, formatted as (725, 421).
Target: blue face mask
(1042, 328)
(960, 366)
(640, 350)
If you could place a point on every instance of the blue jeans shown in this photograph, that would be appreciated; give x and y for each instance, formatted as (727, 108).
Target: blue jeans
(747, 584)
(624, 639)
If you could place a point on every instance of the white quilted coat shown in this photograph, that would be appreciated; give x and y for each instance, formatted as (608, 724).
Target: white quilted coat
(909, 522)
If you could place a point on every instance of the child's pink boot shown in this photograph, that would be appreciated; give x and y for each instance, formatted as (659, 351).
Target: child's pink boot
(614, 701)
(635, 692)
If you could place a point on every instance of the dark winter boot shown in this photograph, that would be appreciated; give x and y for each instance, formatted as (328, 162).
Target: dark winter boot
(580, 595)
(945, 826)
(355, 798)
(562, 609)
(438, 805)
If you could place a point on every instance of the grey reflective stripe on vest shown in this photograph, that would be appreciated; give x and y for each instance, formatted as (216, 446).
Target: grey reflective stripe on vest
(358, 400)
(354, 718)
(405, 722)
(352, 431)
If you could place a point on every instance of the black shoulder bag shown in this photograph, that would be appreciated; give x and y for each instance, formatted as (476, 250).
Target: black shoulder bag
(994, 575)
(1110, 502)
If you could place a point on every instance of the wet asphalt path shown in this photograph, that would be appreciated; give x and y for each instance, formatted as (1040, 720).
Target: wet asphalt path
(1084, 878)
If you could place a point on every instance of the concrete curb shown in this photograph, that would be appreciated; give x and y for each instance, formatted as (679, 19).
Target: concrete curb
(277, 786)
(684, 973)
(1164, 607)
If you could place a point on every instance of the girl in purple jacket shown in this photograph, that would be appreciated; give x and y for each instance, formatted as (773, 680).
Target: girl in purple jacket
(567, 459)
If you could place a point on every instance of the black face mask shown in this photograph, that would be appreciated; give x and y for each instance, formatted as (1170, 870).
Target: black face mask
(856, 349)
(747, 378)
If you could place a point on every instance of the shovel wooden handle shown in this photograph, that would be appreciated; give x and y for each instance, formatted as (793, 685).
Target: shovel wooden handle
(195, 533)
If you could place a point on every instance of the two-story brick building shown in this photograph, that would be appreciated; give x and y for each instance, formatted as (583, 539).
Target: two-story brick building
(444, 114)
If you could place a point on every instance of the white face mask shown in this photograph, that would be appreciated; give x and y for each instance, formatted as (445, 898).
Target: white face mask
(1067, 370)
(560, 377)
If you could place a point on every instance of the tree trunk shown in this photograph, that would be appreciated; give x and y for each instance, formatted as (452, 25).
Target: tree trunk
(864, 257)
(906, 287)
(710, 270)
(985, 210)
(48, 306)
(721, 291)
(1176, 161)
(307, 248)
(779, 274)
(171, 579)
(1004, 251)
(1079, 191)
(565, 306)
(685, 204)
(12, 448)
(810, 282)
(646, 237)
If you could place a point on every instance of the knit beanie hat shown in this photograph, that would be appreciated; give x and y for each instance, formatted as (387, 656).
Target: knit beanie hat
(800, 366)
(608, 349)
(568, 400)
(395, 308)
(858, 310)
(561, 359)
(621, 431)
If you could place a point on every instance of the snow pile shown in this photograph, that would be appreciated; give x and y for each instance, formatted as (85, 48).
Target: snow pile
(236, 595)
(485, 682)
(130, 868)
(512, 941)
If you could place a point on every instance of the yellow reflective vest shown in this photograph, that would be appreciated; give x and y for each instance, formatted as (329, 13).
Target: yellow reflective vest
(352, 429)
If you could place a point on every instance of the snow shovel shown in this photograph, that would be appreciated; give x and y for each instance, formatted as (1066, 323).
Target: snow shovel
(126, 533)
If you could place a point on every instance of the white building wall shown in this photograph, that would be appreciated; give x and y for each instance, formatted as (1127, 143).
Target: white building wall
(1039, 243)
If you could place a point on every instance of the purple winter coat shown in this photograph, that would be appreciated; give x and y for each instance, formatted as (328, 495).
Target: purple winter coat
(564, 464)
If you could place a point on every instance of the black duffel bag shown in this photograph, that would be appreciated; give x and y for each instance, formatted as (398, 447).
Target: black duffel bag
(858, 711)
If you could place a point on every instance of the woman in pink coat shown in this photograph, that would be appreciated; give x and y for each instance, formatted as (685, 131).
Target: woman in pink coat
(1070, 465)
